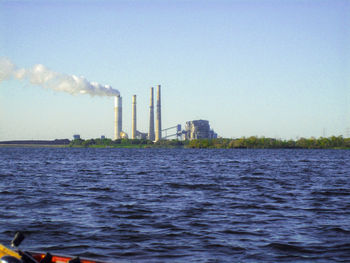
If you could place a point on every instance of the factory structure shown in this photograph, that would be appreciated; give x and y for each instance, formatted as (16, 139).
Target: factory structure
(197, 129)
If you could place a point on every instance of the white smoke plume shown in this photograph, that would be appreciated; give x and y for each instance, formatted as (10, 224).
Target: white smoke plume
(41, 76)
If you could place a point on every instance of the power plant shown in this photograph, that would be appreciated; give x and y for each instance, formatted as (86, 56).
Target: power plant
(197, 129)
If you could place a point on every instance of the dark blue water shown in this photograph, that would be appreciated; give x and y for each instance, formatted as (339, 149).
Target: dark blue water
(178, 205)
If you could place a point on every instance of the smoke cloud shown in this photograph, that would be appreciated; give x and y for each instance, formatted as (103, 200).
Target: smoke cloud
(41, 76)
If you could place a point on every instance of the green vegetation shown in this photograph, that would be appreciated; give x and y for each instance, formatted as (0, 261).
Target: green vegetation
(270, 143)
(127, 143)
(221, 143)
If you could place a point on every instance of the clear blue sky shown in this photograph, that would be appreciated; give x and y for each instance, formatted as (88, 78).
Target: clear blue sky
(266, 68)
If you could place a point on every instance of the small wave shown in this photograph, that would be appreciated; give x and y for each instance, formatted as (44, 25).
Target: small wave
(253, 178)
(92, 255)
(137, 217)
(6, 175)
(340, 230)
(240, 232)
(142, 173)
(333, 192)
(227, 248)
(258, 173)
(135, 238)
(5, 192)
(289, 248)
(232, 161)
(199, 224)
(167, 226)
(97, 189)
(161, 247)
(194, 186)
(128, 254)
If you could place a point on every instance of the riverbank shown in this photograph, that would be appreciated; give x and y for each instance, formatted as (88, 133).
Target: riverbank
(254, 142)
(127, 143)
(221, 143)
(34, 145)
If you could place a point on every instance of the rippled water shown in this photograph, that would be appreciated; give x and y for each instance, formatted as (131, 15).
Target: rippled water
(176, 205)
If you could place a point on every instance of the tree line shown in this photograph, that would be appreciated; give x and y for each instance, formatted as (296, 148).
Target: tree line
(252, 142)
(127, 143)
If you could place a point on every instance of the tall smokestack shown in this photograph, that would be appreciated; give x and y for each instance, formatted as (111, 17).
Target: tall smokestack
(151, 135)
(158, 117)
(117, 117)
(133, 125)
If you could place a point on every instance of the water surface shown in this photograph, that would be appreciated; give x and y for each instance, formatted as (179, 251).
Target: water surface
(176, 205)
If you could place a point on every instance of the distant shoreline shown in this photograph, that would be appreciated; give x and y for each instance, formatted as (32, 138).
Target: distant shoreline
(221, 143)
(153, 147)
(34, 145)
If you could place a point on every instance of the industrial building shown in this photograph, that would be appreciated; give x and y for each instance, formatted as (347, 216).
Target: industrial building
(198, 129)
